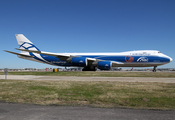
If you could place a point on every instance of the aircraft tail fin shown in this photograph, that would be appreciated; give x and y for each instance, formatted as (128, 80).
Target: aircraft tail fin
(24, 43)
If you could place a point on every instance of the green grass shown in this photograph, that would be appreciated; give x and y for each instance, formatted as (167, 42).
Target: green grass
(99, 94)
(99, 74)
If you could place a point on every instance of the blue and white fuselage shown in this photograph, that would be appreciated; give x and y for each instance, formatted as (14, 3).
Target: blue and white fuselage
(142, 58)
(91, 61)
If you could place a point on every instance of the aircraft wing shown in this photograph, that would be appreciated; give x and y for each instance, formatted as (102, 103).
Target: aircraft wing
(116, 63)
(65, 57)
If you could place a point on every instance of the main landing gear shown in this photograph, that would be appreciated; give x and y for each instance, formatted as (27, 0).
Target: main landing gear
(154, 69)
(91, 68)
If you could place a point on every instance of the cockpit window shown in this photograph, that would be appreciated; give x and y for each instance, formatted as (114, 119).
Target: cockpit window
(159, 52)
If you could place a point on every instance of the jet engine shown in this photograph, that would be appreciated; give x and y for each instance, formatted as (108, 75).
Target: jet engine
(79, 61)
(104, 65)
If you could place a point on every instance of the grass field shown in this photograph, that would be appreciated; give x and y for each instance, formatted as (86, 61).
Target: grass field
(99, 94)
(99, 74)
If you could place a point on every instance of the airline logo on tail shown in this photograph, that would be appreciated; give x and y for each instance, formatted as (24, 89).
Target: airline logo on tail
(27, 46)
(24, 43)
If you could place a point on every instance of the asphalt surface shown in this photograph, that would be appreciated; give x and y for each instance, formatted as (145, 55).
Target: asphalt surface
(72, 78)
(12, 111)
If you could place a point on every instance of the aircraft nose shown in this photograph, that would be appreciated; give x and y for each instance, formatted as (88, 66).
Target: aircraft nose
(171, 59)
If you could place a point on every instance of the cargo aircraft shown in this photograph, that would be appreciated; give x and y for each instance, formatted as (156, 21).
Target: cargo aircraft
(91, 61)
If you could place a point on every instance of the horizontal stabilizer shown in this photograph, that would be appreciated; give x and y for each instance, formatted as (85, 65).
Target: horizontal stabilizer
(39, 52)
(19, 54)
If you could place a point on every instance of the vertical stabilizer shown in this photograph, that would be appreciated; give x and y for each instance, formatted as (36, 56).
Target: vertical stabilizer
(24, 43)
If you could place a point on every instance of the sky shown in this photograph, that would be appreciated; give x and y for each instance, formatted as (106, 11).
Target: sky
(75, 26)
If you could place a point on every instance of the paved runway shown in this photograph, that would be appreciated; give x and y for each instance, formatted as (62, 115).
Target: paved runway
(72, 78)
(11, 111)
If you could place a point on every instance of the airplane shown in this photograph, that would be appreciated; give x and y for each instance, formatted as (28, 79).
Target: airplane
(91, 61)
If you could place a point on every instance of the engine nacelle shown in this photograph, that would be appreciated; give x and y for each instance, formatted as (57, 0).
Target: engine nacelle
(104, 65)
(79, 61)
